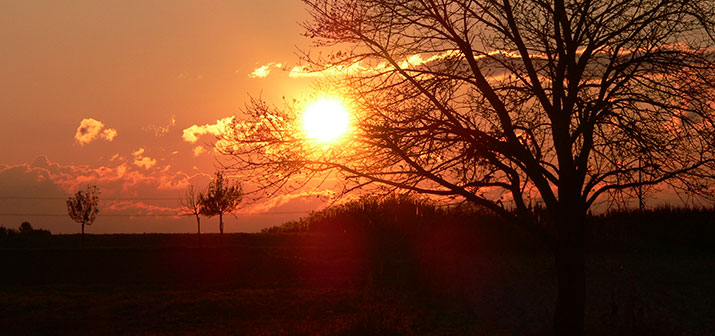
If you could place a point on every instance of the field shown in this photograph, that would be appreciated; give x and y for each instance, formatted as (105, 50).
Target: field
(312, 284)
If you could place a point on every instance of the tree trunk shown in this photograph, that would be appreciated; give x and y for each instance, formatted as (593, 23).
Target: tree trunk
(220, 223)
(198, 224)
(81, 238)
(570, 272)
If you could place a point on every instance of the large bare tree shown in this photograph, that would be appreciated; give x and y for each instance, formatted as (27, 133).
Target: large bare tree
(505, 103)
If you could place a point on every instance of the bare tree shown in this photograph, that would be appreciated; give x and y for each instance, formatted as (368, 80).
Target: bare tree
(191, 204)
(222, 197)
(506, 104)
(83, 207)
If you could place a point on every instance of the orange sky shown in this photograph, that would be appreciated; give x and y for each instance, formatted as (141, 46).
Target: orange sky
(135, 75)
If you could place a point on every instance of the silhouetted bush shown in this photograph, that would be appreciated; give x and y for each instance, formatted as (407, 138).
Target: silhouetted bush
(5, 232)
(24, 236)
(368, 214)
(288, 227)
(398, 221)
(402, 213)
(397, 218)
(25, 228)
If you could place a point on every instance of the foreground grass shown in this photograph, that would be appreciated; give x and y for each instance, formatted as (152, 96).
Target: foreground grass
(61, 310)
(304, 285)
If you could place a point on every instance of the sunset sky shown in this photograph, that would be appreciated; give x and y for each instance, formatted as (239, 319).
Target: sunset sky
(126, 95)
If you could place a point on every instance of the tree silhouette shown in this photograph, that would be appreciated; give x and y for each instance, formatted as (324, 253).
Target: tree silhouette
(83, 207)
(25, 228)
(6, 232)
(222, 197)
(191, 204)
(511, 105)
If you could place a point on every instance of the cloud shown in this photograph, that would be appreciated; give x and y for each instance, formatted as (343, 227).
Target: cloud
(191, 134)
(143, 161)
(198, 150)
(264, 70)
(141, 208)
(27, 180)
(494, 60)
(109, 134)
(300, 71)
(161, 130)
(121, 180)
(336, 70)
(189, 76)
(413, 61)
(91, 129)
(300, 201)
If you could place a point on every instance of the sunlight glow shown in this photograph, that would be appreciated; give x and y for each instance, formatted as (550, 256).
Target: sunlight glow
(326, 120)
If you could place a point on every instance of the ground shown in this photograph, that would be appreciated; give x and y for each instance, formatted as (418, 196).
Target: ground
(295, 284)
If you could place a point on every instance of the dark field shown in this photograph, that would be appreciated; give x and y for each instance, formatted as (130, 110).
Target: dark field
(311, 284)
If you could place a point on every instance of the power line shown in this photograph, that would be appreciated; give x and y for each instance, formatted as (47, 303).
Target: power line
(103, 215)
(101, 199)
(155, 215)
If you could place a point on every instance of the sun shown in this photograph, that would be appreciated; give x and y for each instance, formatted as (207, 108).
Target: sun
(326, 120)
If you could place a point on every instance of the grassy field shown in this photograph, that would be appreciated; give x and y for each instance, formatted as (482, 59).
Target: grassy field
(310, 284)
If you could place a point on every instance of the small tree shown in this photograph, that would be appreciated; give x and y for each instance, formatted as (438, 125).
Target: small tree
(83, 207)
(222, 197)
(191, 204)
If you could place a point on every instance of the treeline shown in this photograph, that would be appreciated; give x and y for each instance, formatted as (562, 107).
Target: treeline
(378, 214)
(399, 216)
(684, 228)
(24, 230)
(403, 219)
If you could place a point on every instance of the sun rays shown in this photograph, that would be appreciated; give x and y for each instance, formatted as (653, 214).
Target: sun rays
(326, 120)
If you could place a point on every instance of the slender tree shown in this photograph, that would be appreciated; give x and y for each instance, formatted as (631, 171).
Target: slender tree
(83, 207)
(506, 104)
(222, 197)
(191, 204)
